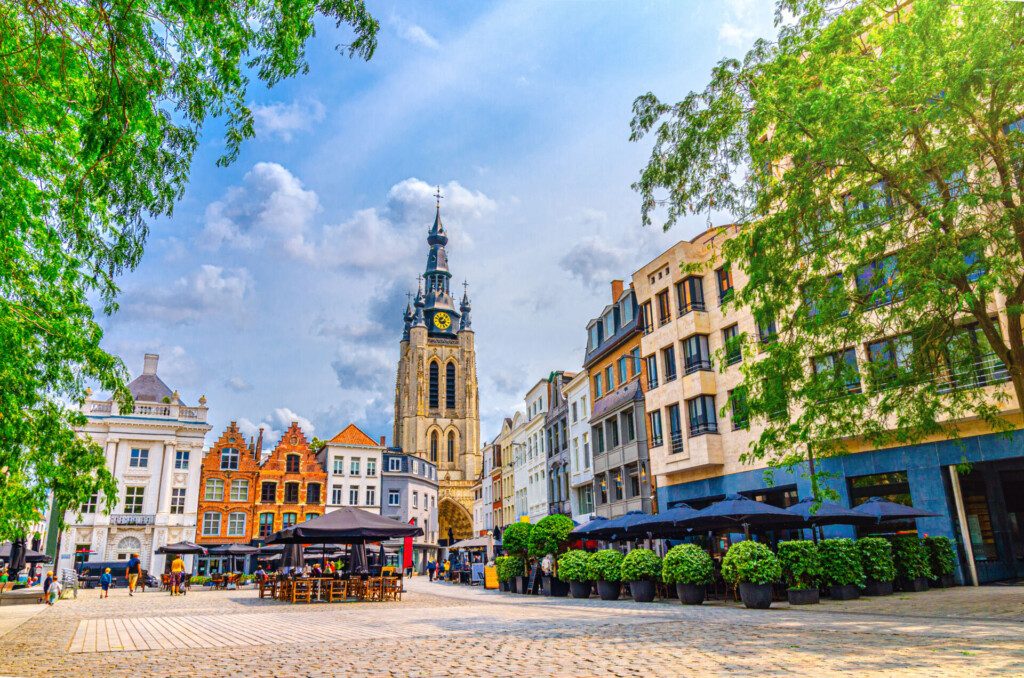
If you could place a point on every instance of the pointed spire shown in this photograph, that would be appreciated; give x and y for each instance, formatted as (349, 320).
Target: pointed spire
(407, 317)
(418, 319)
(437, 235)
(465, 323)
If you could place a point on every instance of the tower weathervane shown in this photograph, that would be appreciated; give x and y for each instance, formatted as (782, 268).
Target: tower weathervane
(437, 194)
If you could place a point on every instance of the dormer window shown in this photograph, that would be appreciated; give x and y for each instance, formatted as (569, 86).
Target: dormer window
(229, 459)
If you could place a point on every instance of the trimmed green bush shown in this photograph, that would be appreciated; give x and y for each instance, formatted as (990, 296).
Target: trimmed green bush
(801, 565)
(840, 563)
(876, 559)
(572, 566)
(751, 562)
(200, 580)
(516, 539)
(641, 565)
(509, 567)
(910, 557)
(688, 564)
(605, 565)
(550, 535)
(941, 557)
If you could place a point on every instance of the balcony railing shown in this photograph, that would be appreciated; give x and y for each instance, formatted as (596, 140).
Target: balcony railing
(159, 410)
(697, 365)
(701, 428)
(132, 519)
(692, 306)
(675, 439)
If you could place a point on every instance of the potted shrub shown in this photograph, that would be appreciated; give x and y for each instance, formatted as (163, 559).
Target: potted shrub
(691, 569)
(876, 560)
(942, 560)
(548, 538)
(509, 569)
(801, 568)
(841, 570)
(911, 559)
(642, 569)
(573, 568)
(604, 568)
(753, 567)
(516, 541)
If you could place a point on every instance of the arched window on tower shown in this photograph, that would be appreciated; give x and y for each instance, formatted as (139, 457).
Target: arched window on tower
(434, 377)
(451, 447)
(449, 386)
(433, 446)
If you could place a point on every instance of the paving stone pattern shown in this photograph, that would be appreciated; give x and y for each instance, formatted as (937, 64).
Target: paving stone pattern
(439, 629)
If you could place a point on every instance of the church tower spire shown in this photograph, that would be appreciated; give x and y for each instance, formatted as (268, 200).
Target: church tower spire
(440, 313)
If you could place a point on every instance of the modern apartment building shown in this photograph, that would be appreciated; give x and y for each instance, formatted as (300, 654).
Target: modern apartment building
(618, 433)
(352, 461)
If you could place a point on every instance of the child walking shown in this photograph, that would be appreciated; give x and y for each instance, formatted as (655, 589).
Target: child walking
(105, 580)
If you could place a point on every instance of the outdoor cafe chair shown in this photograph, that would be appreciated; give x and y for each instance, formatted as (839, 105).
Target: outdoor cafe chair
(302, 591)
(337, 590)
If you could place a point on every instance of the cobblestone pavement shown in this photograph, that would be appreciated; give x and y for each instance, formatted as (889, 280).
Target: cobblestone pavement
(438, 629)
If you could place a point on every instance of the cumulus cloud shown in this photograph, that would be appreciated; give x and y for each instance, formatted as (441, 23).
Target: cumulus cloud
(271, 207)
(413, 33)
(284, 120)
(207, 291)
(594, 261)
(275, 425)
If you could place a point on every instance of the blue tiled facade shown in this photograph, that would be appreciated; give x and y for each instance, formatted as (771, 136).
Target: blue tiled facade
(925, 464)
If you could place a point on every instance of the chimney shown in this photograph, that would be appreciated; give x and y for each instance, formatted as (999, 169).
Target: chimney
(149, 366)
(259, 444)
(616, 290)
(383, 441)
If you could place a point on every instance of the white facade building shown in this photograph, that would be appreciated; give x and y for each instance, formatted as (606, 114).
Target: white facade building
(581, 469)
(155, 453)
(536, 452)
(353, 462)
(487, 490)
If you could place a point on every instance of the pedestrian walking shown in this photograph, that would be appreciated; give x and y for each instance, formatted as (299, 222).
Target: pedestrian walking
(431, 569)
(177, 575)
(54, 593)
(106, 579)
(132, 573)
(448, 569)
(47, 583)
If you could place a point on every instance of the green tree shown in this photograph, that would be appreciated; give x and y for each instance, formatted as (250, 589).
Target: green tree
(875, 157)
(101, 107)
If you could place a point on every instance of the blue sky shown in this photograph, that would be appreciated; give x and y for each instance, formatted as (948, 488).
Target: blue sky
(277, 287)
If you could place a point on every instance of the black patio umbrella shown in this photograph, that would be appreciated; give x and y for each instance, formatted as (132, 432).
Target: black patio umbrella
(617, 529)
(17, 557)
(665, 524)
(739, 511)
(357, 559)
(880, 510)
(292, 556)
(381, 557)
(182, 548)
(232, 551)
(346, 525)
(27, 555)
(587, 530)
(828, 513)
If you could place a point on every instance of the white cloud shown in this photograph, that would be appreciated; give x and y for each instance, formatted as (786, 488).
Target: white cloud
(207, 291)
(594, 261)
(283, 120)
(413, 33)
(237, 384)
(283, 417)
(271, 207)
(275, 425)
(747, 20)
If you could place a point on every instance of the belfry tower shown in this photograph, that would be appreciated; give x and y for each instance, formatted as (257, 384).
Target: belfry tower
(437, 414)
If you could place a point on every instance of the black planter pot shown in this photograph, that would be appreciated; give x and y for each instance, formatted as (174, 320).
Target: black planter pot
(522, 584)
(802, 596)
(554, 587)
(846, 592)
(690, 594)
(756, 596)
(608, 590)
(643, 591)
(877, 588)
(581, 589)
(504, 586)
(914, 585)
(944, 581)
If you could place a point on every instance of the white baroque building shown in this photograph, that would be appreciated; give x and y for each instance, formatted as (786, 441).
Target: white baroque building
(155, 453)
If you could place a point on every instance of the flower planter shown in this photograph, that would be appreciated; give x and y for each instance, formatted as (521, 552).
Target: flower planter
(877, 588)
(554, 587)
(504, 586)
(643, 591)
(846, 592)
(802, 596)
(944, 581)
(608, 590)
(690, 594)
(756, 596)
(914, 585)
(581, 589)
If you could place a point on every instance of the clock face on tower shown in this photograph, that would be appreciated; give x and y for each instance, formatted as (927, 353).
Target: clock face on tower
(442, 321)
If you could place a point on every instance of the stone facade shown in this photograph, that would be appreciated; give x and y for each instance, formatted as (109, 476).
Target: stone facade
(436, 396)
(291, 484)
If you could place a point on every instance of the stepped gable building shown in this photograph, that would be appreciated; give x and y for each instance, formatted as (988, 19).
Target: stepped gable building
(229, 480)
(292, 485)
(436, 399)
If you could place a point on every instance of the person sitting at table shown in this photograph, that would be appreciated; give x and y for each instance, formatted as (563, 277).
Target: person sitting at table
(261, 574)
(316, 571)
